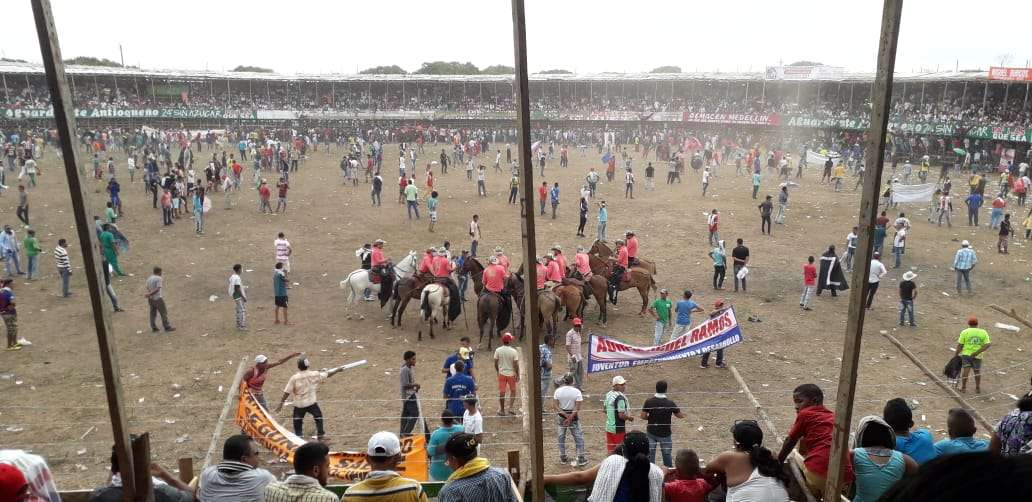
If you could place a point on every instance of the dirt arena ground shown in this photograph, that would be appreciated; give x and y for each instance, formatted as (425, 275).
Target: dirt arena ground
(175, 384)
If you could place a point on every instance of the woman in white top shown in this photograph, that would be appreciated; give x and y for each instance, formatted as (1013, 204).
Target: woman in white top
(625, 476)
(752, 472)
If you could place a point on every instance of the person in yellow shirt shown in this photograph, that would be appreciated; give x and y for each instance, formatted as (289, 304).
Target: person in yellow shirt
(839, 174)
(1028, 226)
(973, 342)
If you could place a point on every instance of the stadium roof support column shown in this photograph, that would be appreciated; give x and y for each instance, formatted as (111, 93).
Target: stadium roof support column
(985, 94)
(64, 116)
(851, 96)
(963, 96)
(530, 314)
(875, 160)
(7, 96)
(1025, 104)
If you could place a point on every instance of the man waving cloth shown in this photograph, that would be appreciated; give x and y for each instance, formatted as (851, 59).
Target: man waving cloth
(831, 276)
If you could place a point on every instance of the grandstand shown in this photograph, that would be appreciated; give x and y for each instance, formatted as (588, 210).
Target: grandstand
(958, 104)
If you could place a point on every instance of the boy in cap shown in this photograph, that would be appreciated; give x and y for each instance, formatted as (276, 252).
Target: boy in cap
(383, 483)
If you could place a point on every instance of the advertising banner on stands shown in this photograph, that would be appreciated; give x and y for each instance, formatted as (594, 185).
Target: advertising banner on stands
(255, 421)
(732, 118)
(804, 72)
(608, 354)
(1012, 74)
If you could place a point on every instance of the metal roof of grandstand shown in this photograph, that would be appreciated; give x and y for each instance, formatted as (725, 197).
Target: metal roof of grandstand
(9, 68)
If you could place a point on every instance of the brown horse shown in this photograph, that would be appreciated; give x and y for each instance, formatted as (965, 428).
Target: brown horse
(594, 287)
(492, 314)
(571, 297)
(475, 269)
(635, 277)
(404, 291)
(601, 250)
(548, 304)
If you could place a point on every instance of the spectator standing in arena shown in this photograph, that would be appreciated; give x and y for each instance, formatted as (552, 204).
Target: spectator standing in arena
(567, 401)
(456, 387)
(617, 413)
(301, 389)
(740, 258)
(308, 483)
(766, 207)
(629, 184)
(657, 411)
(964, 262)
(237, 478)
(972, 343)
(660, 310)
(439, 470)
(809, 283)
(874, 278)
(603, 219)
(283, 251)
(384, 484)
(543, 196)
(412, 198)
(255, 376)
(907, 295)
(236, 292)
(279, 293)
(545, 349)
(506, 362)
(481, 180)
(574, 354)
(554, 196)
(472, 420)
(155, 296)
(9, 313)
(64, 266)
(409, 394)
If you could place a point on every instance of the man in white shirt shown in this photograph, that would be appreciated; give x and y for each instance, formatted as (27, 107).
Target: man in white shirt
(575, 359)
(302, 386)
(283, 251)
(236, 292)
(874, 278)
(705, 180)
(472, 420)
(474, 235)
(567, 402)
(899, 243)
(507, 365)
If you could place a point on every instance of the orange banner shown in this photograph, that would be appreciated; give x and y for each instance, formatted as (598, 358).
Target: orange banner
(255, 421)
(1013, 74)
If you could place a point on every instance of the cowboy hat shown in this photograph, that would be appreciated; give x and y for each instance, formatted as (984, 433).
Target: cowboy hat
(908, 275)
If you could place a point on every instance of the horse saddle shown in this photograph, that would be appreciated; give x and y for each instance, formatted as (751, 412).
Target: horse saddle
(375, 277)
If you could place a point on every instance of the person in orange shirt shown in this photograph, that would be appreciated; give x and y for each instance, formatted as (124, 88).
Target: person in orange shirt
(557, 251)
(426, 265)
(542, 196)
(542, 273)
(582, 264)
(553, 276)
(502, 260)
(632, 248)
(619, 267)
(494, 276)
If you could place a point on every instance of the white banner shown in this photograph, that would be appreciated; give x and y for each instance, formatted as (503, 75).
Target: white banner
(912, 193)
(819, 158)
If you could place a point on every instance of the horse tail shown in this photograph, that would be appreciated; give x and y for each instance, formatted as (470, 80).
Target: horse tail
(424, 303)
(346, 284)
(652, 283)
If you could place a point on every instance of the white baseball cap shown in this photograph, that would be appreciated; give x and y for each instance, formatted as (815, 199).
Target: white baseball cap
(619, 380)
(260, 358)
(383, 444)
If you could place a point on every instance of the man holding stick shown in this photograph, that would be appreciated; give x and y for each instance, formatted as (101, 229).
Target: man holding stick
(302, 386)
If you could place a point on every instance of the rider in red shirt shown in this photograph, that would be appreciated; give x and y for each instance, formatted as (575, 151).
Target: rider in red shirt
(442, 266)
(502, 260)
(632, 247)
(494, 276)
(583, 263)
(557, 251)
(426, 265)
(619, 267)
(542, 274)
(553, 275)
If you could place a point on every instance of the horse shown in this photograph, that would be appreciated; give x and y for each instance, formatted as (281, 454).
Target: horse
(410, 289)
(595, 287)
(433, 301)
(571, 297)
(548, 305)
(639, 279)
(359, 280)
(600, 249)
(492, 314)
(475, 269)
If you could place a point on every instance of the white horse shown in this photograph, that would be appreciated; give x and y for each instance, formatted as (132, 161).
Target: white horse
(358, 281)
(433, 303)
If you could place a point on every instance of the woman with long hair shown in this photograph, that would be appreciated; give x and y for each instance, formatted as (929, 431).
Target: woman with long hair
(629, 477)
(752, 472)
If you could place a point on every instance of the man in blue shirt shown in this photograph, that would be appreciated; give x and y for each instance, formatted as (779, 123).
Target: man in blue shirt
(279, 291)
(916, 443)
(684, 308)
(974, 204)
(464, 354)
(456, 387)
(961, 427)
(554, 195)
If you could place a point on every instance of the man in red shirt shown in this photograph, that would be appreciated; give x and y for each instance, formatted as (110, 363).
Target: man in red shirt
(494, 276)
(619, 267)
(809, 283)
(553, 277)
(426, 264)
(542, 273)
(814, 425)
(282, 186)
(255, 376)
(263, 197)
(557, 251)
(542, 195)
(632, 247)
(502, 260)
(582, 263)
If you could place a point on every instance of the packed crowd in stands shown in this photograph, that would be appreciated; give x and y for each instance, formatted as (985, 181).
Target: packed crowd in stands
(954, 104)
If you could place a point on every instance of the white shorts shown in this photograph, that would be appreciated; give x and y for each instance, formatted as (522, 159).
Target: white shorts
(433, 216)
(286, 264)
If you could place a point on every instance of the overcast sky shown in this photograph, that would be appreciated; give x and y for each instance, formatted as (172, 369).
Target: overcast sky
(307, 36)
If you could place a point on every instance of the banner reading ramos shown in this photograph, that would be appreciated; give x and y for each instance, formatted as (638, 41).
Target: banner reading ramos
(607, 354)
(254, 421)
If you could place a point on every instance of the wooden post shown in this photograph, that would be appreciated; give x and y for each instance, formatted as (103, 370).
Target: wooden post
(186, 472)
(514, 465)
(141, 469)
(231, 396)
(875, 160)
(530, 314)
(986, 425)
(64, 118)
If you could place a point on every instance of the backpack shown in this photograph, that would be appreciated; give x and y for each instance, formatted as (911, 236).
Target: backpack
(952, 369)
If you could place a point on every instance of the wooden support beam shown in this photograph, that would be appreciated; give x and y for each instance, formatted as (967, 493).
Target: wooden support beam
(1012, 313)
(875, 161)
(530, 314)
(141, 468)
(986, 425)
(64, 118)
(231, 399)
(186, 472)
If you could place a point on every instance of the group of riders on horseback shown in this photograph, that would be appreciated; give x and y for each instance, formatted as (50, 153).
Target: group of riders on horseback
(596, 272)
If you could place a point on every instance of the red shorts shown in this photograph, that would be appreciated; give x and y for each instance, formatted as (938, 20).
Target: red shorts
(614, 439)
(506, 381)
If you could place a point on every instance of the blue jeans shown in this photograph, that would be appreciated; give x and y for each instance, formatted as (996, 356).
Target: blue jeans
(898, 253)
(996, 217)
(666, 446)
(906, 306)
(601, 231)
(657, 336)
(66, 275)
(578, 437)
(33, 267)
(463, 283)
(11, 257)
(546, 398)
(964, 274)
(413, 206)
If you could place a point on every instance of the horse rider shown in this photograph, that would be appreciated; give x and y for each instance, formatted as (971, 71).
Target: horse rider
(378, 262)
(426, 264)
(553, 275)
(557, 251)
(494, 277)
(442, 269)
(542, 273)
(632, 247)
(582, 264)
(502, 259)
(619, 267)
(365, 255)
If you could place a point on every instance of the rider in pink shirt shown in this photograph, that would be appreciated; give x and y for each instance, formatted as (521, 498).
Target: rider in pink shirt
(426, 265)
(542, 274)
(632, 247)
(583, 263)
(557, 251)
(442, 266)
(502, 259)
(554, 275)
(494, 276)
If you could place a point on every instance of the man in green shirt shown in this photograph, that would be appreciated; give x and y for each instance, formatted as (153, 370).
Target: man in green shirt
(412, 198)
(31, 245)
(660, 310)
(108, 247)
(973, 342)
(617, 413)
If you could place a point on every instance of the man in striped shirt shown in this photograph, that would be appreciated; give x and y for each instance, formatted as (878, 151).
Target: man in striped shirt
(64, 266)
